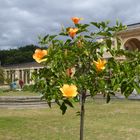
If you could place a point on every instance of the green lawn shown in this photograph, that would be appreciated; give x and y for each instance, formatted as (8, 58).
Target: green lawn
(118, 120)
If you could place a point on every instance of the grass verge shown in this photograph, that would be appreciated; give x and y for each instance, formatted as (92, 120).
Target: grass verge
(118, 120)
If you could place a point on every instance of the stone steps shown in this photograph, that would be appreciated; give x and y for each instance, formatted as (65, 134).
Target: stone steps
(119, 97)
(22, 102)
(36, 102)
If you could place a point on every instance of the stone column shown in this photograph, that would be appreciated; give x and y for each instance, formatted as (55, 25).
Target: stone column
(17, 74)
(28, 76)
(8, 74)
(25, 76)
(5, 76)
(22, 72)
(12, 75)
(31, 81)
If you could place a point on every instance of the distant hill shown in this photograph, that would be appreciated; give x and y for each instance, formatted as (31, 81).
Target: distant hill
(19, 55)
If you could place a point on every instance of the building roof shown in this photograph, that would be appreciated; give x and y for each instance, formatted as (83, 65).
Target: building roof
(134, 25)
(23, 65)
(131, 29)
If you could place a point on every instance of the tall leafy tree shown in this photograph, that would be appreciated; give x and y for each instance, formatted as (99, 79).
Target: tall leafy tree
(19, 55)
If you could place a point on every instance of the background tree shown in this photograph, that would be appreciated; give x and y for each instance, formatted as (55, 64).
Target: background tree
(19, 55)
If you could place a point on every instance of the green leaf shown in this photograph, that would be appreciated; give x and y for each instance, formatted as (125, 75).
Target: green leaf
(68, 41)
(86, 36)
(123, 86)
(64, 34)
(63, 107)
(57, 101)
(103, 24)
(95, 24)
(68, 103)
(117, 22)
(49, 104)
(45, 37)
(103, 33)
(52, 37)
(127, 88)
(137, 87)
(84, 26)
(107, 98)
(109, 43)
(112, 93)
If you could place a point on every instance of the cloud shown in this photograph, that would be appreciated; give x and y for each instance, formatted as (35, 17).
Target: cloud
(22, 21)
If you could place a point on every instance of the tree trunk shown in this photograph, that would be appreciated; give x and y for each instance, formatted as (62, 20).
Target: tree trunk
(82, 114)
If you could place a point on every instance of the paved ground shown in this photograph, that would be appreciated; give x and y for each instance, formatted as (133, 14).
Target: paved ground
(22, 102)
(13, 102)
(131, 97)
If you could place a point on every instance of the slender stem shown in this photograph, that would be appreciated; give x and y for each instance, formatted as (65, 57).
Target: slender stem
(83, 96)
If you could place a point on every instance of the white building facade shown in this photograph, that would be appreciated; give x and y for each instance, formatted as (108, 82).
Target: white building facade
(21, 72)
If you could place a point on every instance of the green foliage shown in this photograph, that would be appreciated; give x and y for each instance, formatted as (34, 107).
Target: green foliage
(1, 76)
(80, 52)
(1, 91)
(19, 55)
(28, 88)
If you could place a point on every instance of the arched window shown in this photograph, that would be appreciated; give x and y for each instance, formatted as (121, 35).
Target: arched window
(132, 44)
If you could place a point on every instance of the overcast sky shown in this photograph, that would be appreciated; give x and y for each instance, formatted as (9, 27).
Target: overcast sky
(21, 21)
